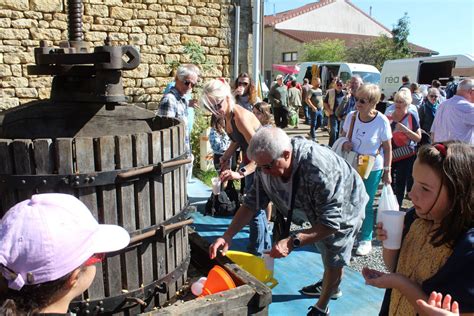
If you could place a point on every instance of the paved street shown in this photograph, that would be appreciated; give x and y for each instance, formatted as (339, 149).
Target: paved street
(303, 130)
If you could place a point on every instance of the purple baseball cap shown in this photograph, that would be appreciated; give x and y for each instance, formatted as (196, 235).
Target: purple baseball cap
(50, 235)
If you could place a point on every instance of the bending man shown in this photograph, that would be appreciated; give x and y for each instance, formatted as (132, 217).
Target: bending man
(328, 193)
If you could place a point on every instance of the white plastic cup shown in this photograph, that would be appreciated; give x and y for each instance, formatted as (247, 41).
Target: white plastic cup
(269, 261)
(393, 225)
(216, 185)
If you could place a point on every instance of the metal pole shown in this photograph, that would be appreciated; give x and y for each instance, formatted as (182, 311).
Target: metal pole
(237, 39)
(273, 50)
(256, 41)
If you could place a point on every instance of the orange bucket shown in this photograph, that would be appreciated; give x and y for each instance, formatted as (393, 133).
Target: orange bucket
(218, 280)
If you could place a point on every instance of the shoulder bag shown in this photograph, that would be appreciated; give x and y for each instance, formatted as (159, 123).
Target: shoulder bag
(403, 152)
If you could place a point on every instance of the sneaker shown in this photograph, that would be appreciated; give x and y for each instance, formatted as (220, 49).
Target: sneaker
(313, 311)
(364, 248)
(315, 290)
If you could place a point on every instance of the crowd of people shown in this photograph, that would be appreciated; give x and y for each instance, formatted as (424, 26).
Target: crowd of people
(423, 154)
(422, 145)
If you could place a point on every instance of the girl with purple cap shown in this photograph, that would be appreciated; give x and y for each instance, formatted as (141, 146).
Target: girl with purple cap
(48, 247)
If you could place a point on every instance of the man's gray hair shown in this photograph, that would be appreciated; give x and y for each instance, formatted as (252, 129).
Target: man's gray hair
(357, 77)
(187, 70)
(466, 85)
(270, 140)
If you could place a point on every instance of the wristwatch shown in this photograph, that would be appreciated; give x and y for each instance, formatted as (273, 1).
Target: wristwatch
(242, 171)
(296, 242)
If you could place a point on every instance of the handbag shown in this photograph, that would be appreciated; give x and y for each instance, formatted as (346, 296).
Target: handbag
(403, 152)
(226, 203)
(293, 118)
(362, 163)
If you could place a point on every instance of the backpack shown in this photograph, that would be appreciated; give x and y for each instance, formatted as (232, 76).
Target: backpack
(224, 204)
(451, 89)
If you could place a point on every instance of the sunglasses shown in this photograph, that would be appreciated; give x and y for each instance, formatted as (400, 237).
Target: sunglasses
(433, 96)
(218, 106)
(242, 83)
(95, 258)
(362, 101)
(267, 166)
(339, 85)
(189, 83)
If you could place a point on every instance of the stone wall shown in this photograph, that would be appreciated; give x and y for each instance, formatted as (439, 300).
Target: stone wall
(158, 28)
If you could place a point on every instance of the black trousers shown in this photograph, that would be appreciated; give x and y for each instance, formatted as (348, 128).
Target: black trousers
(401, 177)
(281, 116)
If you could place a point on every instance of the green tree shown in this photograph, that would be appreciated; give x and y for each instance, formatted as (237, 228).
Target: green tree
(324, 50)
(400, 34)
(376, 52)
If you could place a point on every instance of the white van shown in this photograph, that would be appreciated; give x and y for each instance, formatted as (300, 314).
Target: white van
(327, 70)
(424, 70)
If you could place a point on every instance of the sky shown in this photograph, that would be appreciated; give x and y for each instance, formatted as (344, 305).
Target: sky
(445, 26)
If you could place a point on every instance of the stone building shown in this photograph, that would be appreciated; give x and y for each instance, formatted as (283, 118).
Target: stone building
(158, 28)
(285, 33)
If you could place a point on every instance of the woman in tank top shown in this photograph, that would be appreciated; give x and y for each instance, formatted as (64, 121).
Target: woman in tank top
(241, 125)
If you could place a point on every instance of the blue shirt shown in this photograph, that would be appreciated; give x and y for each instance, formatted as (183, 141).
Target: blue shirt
(173, 104)
(219, 142)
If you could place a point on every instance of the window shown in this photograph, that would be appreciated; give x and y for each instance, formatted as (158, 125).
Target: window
(345, 76)
(293, 56)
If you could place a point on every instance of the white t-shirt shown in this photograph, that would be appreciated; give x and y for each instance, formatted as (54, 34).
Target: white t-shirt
(367, 137)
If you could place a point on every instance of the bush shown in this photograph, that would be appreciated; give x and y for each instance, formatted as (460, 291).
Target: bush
(201, 122)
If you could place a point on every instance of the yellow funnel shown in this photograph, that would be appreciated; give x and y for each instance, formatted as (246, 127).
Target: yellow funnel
(253, 265)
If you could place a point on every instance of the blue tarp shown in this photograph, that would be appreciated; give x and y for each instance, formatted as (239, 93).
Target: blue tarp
(300, 268)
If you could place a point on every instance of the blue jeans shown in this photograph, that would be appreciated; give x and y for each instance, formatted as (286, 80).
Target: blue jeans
(325, 119)
(371, 184)
(333, 129)
(316, 122)
(259, 238)
(307, 113)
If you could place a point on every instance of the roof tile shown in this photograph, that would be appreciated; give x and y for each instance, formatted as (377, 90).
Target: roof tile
(349, 39)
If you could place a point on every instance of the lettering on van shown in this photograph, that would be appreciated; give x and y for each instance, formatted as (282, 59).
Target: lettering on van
(392, 79)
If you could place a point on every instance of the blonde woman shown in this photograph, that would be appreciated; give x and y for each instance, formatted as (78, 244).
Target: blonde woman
(406, 134)
(240, 125)
(371, 135)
